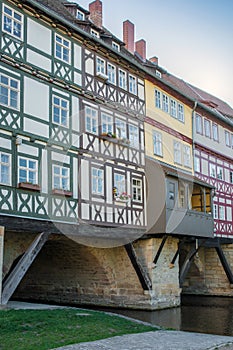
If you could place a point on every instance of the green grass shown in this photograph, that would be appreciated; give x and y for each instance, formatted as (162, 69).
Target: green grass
(48, 329)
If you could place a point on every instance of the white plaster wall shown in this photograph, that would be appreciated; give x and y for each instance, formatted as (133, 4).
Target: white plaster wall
(44, 172)
(77, 57)
(85, 176)
(36, 99)
(38, 60)
(28, 150)
(5, 143)
(75, 178)
(75, 113)
(60, 157)
(109, 185)
(39, 36)
(36, 128)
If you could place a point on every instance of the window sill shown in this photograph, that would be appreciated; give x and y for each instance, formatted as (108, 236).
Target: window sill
(29, 186)
(61, 192)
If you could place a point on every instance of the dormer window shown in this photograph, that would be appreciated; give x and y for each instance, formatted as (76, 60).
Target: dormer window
(80, 16)
(115, 46)
(158, 73)
(95, 33)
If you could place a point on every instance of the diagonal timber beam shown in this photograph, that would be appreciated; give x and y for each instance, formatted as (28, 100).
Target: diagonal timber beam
(143, 276)
(224, 263)
(17, 274)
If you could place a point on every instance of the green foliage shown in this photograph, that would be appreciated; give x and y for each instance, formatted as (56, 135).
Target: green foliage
(48, 329)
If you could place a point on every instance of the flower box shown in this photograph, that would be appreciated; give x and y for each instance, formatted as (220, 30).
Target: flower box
(61, 192)
(29, 186)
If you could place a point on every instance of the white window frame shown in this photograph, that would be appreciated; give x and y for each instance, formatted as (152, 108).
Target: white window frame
(219, 173)
(227, 138)
(119, 183)
(177, 152)
(165, 103)
(28, 169)
(187, 156)
(157, 143)
(207, 128)
(222, 213)
(11, 91)
(111, 73)
(132, 84)
(231, 176)
(134, 135)
(197, 164)
(3, 166)
(61, 177)
(215, 211)
(106, 123)
(180, 112)
(14, 19)
(80, 15)
(215, 132)
(100, 65)
(212, 170)
(63, 111)
(198, 123)
(97, 181)
(137, 190)
(173, 108)
(94, 33)
(122, 76)
(158, 99)
(91, 120)
(121, 130)
(115, 46)
(65, 49)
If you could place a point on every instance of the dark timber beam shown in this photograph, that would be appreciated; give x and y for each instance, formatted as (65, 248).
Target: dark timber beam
(187, 263)
(143, 276)
(160, 249)
(17, 274)
(224, 263)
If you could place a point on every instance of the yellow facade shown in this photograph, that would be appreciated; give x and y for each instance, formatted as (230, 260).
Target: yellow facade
(174, 133)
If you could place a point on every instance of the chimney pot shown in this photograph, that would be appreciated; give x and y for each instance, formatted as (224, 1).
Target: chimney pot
(128, 35)
(154, 60)
(141, 48)
(96, 13)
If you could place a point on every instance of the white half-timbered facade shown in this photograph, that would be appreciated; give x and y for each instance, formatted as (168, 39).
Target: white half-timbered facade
(71, 122)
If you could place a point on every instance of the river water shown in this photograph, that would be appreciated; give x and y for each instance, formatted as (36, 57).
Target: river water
(213, 315)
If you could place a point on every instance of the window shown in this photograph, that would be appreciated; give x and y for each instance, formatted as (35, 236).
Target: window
(177, 152)
(61, 178)
(132, 85)
(28, 170)
(80, 16)
(133, 136)
(215, 213)
(221, 212)
(107, 123)
(97, 176)
(94, 33)
(119, 183)
(198, 124)
(173, 109)
(5, 169)
(215, 131)
(91, 120)
(219, 173)
(165, 103)
(207, 128)
(158, 73)
(111, 74)
(227, 139)
(115, 46)
(158, 99)
(12, 22)
(180, 112)
(182, 197)
(60, 109)
(62, 49)
(121, 129)
(122, 79)
(231, 177)
(137, 190)
(197, 164)
(212, 170)
(100, 65)
(187, 156)
(9, 91)
(157, 142)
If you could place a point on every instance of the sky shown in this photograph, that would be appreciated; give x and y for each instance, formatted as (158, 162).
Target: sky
(193, 39)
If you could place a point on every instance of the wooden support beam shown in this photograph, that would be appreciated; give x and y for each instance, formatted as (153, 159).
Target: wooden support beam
(160, 249)
(17, 274)
(224, 263)
(143, 276)
(187, 263)
(1, 258)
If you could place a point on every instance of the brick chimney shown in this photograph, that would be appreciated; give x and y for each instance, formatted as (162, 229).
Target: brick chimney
(154, 60)
(96, 13)
(140, 48)
(128, 35)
